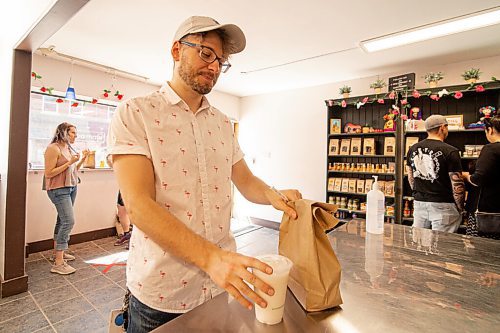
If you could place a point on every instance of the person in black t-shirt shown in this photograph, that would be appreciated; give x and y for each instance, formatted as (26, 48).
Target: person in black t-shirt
(434, 173)
(486, 176)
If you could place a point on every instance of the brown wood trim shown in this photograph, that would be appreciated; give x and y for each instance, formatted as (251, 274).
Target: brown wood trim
(266, 223)
(13, 286)
(15, 194)
(48, 244)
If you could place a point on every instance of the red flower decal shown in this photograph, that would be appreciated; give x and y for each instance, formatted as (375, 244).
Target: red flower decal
(479, 88)
(458, 95)
(380, 101)
(434, 97)
(392, 95)
(415, 94)
(365, 100)
(343, 104)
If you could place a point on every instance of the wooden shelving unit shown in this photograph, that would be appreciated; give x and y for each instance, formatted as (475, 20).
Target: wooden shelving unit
(372, 114)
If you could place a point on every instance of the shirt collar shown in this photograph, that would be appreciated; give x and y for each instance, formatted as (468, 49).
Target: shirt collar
(174, 99)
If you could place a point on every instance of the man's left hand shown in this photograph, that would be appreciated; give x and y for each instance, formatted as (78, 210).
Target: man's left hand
(280, 200)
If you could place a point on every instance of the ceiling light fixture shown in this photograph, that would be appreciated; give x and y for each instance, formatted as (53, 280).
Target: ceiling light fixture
(439, 29)
(70, 92)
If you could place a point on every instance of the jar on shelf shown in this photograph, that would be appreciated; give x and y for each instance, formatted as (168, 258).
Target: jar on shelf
(343, 202)
(330, 199)
(355, 204)
(349, 204)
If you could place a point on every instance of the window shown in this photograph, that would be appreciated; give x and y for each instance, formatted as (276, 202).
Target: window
(91, 121)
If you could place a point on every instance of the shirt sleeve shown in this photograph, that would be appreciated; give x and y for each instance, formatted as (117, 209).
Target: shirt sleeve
(408, 157)
(483, 165)
(126, 134)
(454, 162)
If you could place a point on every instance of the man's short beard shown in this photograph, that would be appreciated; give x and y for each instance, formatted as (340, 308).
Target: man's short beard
(188, 75)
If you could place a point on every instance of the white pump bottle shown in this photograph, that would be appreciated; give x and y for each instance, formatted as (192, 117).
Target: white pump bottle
(375, 209)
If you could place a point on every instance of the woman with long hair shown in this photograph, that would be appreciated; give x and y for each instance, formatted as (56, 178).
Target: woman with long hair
(486, 177)
(61, 179)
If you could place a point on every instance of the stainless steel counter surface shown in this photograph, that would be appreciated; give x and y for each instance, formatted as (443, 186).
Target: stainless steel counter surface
(407, 280)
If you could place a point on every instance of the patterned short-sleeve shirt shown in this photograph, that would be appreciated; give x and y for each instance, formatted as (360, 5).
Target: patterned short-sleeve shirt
(192, 156)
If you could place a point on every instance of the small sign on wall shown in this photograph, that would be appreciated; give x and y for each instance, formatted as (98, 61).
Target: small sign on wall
(402, 82)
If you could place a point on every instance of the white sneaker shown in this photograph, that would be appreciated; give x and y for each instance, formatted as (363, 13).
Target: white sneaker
(63, 269)
(66, 256)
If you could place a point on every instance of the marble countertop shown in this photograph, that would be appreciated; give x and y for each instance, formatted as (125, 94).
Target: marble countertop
(406, 280)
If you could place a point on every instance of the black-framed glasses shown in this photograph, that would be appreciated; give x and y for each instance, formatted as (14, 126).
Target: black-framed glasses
(208, 55)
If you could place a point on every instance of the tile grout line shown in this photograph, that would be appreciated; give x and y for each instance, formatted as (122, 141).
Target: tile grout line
(92, 304)
(41, 310)
(85, 298)
(1, 322)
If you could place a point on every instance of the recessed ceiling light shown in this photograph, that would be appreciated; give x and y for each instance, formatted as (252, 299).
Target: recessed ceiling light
(443, 28)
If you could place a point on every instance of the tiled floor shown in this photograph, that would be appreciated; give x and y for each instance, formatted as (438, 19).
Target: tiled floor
(81, 302)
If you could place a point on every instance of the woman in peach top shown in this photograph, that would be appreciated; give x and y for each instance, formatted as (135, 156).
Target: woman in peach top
(61, 181)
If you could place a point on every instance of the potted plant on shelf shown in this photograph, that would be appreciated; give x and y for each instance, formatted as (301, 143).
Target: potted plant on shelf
(471, 75)
(432, 78)
(378, 85)
(344, 91)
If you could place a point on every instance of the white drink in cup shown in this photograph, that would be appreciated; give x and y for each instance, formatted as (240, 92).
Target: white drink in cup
(273, 313)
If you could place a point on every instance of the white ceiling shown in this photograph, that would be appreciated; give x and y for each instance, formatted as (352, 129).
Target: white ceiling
(135, 36)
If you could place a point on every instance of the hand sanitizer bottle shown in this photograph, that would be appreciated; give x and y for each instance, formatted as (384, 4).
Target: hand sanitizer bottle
(375, 208)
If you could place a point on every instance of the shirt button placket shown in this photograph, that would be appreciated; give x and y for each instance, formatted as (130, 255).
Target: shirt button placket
(202, 165)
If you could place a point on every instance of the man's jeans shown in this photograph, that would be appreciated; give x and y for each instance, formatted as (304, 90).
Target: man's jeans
(442, 216)
(142, 318)
(63, 198)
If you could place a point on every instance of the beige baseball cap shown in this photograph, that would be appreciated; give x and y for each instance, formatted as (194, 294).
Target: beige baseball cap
(435, 121)
(195, 24)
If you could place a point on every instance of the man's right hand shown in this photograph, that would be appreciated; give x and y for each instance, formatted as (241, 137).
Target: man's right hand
(75, 158)
(229, 271)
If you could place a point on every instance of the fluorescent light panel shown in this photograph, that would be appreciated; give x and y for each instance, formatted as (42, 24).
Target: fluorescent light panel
(476, 21)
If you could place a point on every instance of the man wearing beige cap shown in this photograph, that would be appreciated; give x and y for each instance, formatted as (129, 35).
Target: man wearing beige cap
(175, 156)
(434, 173)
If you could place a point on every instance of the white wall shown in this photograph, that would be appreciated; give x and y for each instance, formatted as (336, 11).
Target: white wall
(95, 205)
(15, 19)
(90, 82)
(284, 135)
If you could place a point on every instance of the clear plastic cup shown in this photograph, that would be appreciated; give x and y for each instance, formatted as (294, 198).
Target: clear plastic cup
(273, 313)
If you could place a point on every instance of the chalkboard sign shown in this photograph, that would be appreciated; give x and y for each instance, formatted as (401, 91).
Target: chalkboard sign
(402, 82)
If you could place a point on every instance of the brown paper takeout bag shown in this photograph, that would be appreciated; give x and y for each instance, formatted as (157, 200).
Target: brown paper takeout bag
(89, 161)
(315, 275)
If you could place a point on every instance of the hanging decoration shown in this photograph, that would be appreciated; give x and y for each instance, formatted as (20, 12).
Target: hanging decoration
(35, 76)
(433, 94)
(43, 88)
(70, 91)
(118, 95)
